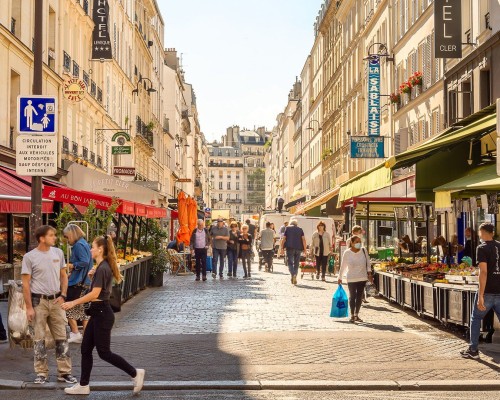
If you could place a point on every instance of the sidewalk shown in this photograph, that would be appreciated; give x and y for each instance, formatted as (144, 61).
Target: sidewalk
(268, 330)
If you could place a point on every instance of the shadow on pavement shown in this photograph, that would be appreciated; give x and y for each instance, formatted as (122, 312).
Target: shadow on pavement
(382, 309)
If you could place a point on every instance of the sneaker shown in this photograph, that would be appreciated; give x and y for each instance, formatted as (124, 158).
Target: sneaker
(214, 275)
(197, 278)
(323, 279)
(75, 337)
(221, 277)
(229, 275)
(295, 279)
(3, 340)
(139, 380)
(317, 276)
(40, 380)
(67, 378)
(204, 279)
(469, 353)
(77, 389)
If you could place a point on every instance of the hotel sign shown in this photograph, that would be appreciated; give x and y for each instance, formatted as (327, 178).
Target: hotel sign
(101, 42)
(367, 147)
(374, 97)
(447, 29)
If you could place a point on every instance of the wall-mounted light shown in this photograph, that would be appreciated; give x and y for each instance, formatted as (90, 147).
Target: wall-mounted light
(149, 89)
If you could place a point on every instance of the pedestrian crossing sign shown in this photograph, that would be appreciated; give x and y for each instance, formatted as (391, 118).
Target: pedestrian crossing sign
(37, 115)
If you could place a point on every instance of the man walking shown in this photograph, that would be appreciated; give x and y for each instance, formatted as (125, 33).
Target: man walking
(251, 228)
(200, 241)
(45, 283)
(267, 245)
(488, 296)
(220, 236)
(294, 242)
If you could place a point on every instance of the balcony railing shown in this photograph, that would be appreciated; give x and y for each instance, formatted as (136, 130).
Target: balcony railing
(92, 157)
(487, 20)
(13, 26)
(85, 153)
(66, 62)
(99, 161)
(74, 148)
(238, 165)
(234, 201)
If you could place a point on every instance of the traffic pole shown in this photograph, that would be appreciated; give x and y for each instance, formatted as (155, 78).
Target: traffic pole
(36, 181)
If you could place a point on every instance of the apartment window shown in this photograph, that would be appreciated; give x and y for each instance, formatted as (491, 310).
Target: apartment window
(86, 78)
(220, 196)
(237, 175)
(66, 61)
(76, 70)
(237, 196)
(93, 88)
(435, 122)
(237, 186)
(229, 175)
(467, 99)
(484, 89)
(220, 185)
(237, 209)
(229, 186)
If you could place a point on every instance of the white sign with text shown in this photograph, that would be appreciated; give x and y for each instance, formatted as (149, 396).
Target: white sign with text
(36, 155)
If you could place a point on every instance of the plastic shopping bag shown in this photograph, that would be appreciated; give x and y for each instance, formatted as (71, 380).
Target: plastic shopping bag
(371, 290)
(209, 263)
(339, 304)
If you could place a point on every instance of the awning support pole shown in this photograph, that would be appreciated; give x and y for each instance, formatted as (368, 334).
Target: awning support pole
(140, 232)
(368, 226)
(133, 234)
(428, 231)
(412, 227)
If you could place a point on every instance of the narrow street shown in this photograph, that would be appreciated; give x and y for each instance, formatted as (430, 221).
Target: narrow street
(265, 329)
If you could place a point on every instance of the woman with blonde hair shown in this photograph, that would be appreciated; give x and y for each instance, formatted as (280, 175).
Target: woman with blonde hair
(80, 263)
(98, 332)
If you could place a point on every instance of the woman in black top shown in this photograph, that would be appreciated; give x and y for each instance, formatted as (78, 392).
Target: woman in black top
(102, 318)
(245, 241)
(232, 250)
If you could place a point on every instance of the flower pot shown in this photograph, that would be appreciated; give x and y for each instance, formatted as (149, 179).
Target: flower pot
(156, 279)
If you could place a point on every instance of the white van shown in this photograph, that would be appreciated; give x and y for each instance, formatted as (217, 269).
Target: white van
(309, 226)
(275, 218)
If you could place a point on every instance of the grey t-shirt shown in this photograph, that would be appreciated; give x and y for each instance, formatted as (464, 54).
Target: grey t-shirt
(267, 239)
(45, 270)
(219, 244)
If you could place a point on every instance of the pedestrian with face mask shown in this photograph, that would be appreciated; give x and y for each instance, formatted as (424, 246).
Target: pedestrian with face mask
(357, 268)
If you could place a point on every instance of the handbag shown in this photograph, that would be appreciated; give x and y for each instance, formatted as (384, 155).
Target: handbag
(115, 300)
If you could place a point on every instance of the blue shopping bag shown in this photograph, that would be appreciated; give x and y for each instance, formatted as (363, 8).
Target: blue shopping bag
(209, 263)
(339, 304)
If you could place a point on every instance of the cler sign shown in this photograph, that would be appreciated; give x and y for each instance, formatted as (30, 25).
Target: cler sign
(374, 97)
(447, 29)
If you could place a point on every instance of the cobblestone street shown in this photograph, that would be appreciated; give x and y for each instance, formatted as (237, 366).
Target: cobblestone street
(267, 329)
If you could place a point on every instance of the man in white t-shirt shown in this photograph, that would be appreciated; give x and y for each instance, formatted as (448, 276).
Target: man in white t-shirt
(45, 282)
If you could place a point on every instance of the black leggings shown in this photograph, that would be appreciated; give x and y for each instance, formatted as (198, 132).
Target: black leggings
(321, 263)
(98, 335)
(356, 290)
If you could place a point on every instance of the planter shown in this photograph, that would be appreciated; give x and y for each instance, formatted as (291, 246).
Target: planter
(156, 280)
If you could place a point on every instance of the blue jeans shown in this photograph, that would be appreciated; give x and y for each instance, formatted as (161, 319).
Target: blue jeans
(219, 254)
(232, 260)
(491, 301)
(293, 256)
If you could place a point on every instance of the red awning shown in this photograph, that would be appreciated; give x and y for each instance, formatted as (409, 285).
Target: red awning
(66, 195)
(15, 196)
(140, 210)
(126, 207)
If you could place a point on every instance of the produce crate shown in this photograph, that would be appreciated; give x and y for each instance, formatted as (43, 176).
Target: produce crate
(385, 253)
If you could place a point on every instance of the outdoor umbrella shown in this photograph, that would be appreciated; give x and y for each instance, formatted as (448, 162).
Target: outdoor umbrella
(192, 213)
(183, 235)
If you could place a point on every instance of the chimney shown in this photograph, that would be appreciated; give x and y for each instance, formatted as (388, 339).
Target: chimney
(171, 58)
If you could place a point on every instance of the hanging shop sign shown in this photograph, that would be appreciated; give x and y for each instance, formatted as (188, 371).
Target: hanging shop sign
(367, 147)
(36, 155)
(101, 42)
(124, 171)
(374, 97)
(121, 139)
(74, 89)
(447, 29)
(183, 180)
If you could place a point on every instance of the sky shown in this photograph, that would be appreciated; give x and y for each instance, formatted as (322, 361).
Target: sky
(242, 56)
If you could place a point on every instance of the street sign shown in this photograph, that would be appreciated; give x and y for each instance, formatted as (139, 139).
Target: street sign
(124, 171)
(37, 115)
(117, 150)
(447, 29)
(374, 97)
(367, 147)
(184, 180)
(36, 155)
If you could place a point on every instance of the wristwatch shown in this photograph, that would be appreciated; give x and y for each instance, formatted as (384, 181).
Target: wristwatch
(63, 296)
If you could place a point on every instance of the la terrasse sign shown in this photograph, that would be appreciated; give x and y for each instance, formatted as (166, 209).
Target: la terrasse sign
(374, 97)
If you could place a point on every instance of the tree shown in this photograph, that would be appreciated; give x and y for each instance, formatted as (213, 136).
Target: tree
(256, 187)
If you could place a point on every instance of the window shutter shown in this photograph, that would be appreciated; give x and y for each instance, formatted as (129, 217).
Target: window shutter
(427, 62)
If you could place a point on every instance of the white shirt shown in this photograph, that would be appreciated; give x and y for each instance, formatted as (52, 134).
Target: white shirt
(355, 265)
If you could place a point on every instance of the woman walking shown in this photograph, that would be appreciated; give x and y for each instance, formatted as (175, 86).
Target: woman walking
(232, 250)
(98, 332)
(80, 263)
(356, 263)
(321, 248)
(245, 241)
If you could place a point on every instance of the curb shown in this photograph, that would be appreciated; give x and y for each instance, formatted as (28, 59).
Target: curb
(478, 385)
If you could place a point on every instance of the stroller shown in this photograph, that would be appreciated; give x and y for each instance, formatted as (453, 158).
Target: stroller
(262, 261)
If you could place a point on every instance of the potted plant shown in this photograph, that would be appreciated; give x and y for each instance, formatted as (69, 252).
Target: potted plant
(159, 265)
(395, 98)
(405, 87)
(416, 79)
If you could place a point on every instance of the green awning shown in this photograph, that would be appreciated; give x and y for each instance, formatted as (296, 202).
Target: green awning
(477, 180)
(376, 178)
(449, 138)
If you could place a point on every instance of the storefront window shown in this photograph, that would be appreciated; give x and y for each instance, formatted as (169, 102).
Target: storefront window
(4, 237)
(20, 243)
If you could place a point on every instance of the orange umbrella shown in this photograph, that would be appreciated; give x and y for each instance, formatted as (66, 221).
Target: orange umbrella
(183, 235)
(192, 213)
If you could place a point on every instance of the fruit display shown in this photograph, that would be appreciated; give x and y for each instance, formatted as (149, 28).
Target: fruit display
(128, 257)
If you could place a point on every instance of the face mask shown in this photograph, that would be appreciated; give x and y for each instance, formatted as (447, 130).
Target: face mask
(357, 246)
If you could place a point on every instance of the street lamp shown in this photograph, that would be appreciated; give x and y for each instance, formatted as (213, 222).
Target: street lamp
(382, 52)
(310, 128)
(149, 89)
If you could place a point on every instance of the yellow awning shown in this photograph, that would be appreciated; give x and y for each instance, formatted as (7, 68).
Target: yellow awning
(367, 182)
(321, 199)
